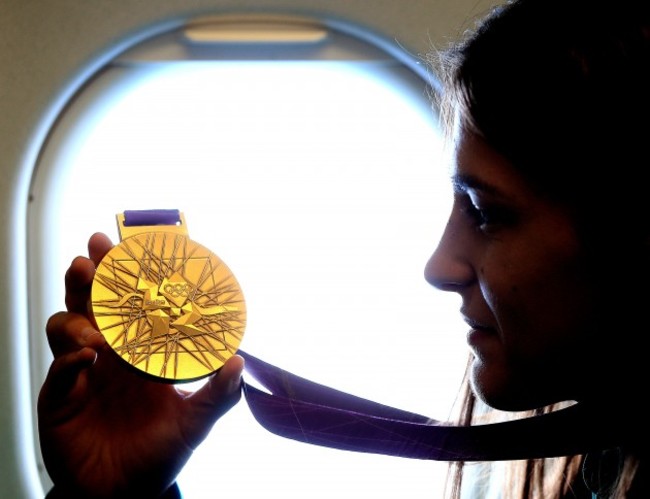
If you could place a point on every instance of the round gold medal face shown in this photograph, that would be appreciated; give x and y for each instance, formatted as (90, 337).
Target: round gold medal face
(168, 306)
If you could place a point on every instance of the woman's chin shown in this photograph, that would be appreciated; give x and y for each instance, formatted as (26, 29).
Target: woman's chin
(500, 388)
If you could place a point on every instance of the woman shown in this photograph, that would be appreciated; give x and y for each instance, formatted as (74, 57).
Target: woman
(547, 243)
(546, 104)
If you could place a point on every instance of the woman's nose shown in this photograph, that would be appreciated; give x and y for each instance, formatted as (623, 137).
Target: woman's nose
(449, 267)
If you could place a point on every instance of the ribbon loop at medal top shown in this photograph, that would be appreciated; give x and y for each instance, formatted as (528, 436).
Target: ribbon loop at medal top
(151, 217)
(133, 222)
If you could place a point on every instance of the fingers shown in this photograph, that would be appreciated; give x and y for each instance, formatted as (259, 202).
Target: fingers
(98, 245)
(64, 375)
(75, 345)
(78, 282)
(74, 342)
(69, 332)
(80, 274)
(213, 400)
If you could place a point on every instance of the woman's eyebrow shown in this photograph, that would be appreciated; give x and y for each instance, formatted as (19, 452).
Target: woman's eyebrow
(462, 183)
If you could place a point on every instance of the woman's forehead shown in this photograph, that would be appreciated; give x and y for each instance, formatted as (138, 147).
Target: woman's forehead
(478, 166)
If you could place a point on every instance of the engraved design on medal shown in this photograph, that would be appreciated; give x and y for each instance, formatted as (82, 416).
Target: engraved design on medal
(168, 306)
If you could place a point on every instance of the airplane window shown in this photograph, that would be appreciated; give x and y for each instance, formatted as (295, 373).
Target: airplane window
(320, 182)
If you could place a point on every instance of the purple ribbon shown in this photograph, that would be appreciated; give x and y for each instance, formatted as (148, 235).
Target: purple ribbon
(308, 412)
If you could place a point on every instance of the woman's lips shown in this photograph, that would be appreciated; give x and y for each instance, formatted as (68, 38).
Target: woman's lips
(477, 336)
(478, 333)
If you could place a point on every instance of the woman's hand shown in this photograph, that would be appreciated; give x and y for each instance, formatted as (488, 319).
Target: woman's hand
(104, 430)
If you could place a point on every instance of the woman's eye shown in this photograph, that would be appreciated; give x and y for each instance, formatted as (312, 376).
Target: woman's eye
(486, 218)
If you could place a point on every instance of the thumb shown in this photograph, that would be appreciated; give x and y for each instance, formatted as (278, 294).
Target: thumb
(212, 400)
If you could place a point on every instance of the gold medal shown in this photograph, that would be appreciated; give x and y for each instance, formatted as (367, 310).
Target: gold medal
(167, 305)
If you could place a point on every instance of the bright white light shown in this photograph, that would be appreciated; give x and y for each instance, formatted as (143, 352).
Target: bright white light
(321, 186)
